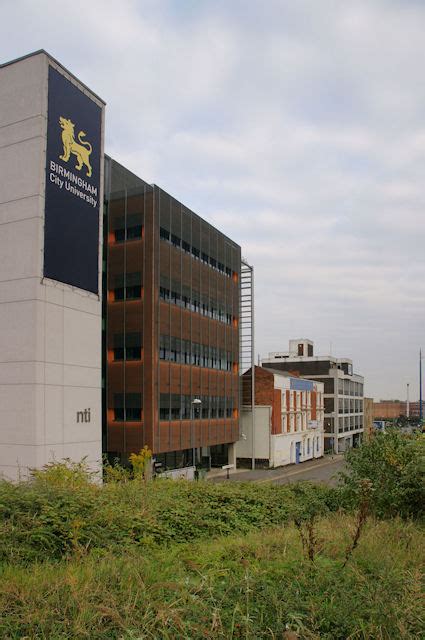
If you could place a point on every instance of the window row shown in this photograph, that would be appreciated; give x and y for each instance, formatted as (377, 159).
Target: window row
(194, 252)
(128, 346)
(123, 234)
(199, 355)
(210, 308)
(181, 407)
(127, 407)
(350, 423)
(349, 388)
(132, 292)
(350, 405)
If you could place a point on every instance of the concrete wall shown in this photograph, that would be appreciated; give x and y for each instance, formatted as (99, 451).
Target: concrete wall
(262, 430)
(50, 333)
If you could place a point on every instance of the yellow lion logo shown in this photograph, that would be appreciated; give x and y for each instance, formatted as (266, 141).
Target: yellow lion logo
(71, 146)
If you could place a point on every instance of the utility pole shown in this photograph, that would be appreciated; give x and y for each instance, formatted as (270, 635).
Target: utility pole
(407, 402)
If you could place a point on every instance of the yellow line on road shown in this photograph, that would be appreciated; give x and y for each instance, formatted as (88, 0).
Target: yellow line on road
(295, 473)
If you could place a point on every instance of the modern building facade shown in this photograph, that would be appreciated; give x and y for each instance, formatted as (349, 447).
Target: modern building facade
(51, 167)
(288, 425)
(343, 390)
(159, 298)
(172, 328)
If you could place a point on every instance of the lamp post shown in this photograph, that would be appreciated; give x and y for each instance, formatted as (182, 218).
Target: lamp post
(196, 404)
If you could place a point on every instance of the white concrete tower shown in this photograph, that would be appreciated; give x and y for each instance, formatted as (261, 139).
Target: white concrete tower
(51, 194)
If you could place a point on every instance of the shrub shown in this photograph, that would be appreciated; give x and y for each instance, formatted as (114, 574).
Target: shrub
(60, 512)
(393, 463)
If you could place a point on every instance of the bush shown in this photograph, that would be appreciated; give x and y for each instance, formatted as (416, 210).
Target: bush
(394, 464)
(60, 512)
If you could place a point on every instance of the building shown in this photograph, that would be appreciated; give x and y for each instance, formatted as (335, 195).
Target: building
(393, 409)
(289, 415)
(389, 409)
(172, 328)
(343, 390)
(96, 261)
(50, 287)
(368, 418)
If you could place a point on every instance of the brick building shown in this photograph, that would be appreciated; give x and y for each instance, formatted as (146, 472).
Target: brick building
(343, 390)
(389, 409)
(288, 419)
(393, 409)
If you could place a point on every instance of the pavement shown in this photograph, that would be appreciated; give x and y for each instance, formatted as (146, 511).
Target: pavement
(319, 470)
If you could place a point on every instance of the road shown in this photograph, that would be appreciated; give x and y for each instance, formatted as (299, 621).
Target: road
(320, 470)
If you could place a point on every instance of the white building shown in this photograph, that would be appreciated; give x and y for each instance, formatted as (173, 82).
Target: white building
(51, 194)
(288, 420)
(343, 390)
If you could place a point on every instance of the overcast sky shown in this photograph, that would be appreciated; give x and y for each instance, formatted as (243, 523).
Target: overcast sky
(297, 127)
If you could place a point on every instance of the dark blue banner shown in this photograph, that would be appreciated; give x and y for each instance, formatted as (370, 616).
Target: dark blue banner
(71, 235)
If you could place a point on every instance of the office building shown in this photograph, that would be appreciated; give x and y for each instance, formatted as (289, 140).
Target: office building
(172, 328)
(288, 425)
(343, 390)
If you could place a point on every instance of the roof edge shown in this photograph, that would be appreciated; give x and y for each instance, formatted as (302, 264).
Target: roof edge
(46, 53)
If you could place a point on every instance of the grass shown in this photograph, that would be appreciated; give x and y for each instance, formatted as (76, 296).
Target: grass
(166, 560)
(258, 585)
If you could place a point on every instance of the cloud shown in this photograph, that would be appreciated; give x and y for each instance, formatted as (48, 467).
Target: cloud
(296, 128)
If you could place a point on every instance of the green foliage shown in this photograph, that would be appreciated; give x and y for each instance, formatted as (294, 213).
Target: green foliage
(129, 560)
(254, 586)
(394, 464)
(60, 512)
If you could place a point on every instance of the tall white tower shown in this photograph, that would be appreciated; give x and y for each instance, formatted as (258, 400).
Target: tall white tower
(51, 167)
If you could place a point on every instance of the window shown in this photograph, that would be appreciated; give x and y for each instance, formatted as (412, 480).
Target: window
(127, 407)
(134, 232)
(119, 414)
(133, 353)
(164, 406)
(134, 292)
(175, 240)
(119, 293)
(164, 293)
(119, 235)
(164, 234)
(175, 406)
(205, 410)
(164, 347)
(175, 348)
(132, 349)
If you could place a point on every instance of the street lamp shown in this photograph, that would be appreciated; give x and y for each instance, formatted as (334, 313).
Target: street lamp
(196, 404)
